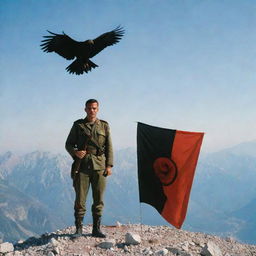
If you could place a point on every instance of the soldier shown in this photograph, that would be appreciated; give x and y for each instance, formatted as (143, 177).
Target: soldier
(89, 143)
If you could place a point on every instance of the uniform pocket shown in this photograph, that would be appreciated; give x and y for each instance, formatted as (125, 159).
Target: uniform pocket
(99, 162)
(101, 137)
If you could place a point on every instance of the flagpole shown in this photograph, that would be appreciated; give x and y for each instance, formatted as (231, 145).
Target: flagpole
(140, 220)
(139, 190)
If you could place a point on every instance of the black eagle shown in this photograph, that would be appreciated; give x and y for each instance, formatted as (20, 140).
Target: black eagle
(68, 48)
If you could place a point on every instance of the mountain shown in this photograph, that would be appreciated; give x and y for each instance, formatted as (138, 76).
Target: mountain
(122, 198)
(43, 176)
(7, 162)
(229, 175)
(22, 216)
(247, 213)
(222, 193)
(243, 149)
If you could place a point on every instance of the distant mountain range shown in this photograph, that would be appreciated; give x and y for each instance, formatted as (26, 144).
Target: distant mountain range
(36, 194)
(21, 215)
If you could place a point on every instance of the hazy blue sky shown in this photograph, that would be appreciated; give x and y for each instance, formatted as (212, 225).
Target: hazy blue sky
(187, 65)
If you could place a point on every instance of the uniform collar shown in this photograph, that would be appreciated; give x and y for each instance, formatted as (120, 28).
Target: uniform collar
(87, 122)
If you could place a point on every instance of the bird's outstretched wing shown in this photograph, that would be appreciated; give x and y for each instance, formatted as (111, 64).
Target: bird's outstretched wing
(62, 44)
(106, 39)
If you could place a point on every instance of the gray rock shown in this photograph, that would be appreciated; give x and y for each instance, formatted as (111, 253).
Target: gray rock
(162, 252)
(6, 247)
(17, 253)
(8, 254)
(107, 244)
(147, 251)
(126, 249)
(132, 239)
(56, 250)
(53, 241)
(201, 244)
(185, 245)
(230, 239)
(176, 251)
(50, 254)
(173, 250)
(211, 249)
(185, 254)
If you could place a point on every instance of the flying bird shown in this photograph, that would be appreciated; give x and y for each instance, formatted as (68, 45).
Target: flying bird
(68, 48)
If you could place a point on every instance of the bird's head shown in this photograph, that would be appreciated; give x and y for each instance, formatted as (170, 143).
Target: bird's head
(90, 41)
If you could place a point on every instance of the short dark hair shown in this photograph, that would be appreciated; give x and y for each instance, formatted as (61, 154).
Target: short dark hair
(90, 101)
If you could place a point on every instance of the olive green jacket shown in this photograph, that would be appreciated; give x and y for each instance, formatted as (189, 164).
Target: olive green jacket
(98, 143)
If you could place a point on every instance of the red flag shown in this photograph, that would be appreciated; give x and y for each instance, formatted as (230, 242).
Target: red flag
(167, 161)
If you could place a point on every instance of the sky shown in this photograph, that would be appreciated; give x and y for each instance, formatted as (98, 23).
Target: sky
(182, 64)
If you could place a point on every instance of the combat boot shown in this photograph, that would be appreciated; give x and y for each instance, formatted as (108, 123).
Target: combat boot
(79, 226)
(96, 232)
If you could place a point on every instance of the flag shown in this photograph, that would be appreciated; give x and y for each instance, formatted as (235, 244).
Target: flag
(167, 161)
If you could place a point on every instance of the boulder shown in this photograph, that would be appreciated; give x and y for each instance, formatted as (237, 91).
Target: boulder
(147, 251)
(6, 247)
(211, 249)
(107, 244)
(162, 252)
(132, 239)
(53, 241)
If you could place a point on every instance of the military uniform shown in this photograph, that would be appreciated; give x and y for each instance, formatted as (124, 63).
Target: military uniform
(96, 137)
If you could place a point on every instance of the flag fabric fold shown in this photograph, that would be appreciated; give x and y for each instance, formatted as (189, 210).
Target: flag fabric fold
(167, 161)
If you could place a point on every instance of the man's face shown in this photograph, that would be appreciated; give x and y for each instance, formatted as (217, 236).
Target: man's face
(92, 110)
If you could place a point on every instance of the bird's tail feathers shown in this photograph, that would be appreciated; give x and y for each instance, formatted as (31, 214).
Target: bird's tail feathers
(92, 64)
(78, 67)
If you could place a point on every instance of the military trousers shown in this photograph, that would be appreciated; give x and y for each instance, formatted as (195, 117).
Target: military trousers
(82, 183)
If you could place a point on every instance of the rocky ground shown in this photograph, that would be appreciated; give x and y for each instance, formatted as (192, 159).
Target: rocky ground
(128, 240)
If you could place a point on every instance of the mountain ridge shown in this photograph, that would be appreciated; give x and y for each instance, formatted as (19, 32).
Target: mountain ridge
(45, 177)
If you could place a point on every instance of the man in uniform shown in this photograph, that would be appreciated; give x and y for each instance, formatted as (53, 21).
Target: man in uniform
(89, 142)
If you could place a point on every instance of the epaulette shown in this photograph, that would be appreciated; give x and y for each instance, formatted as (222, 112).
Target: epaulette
(79, 121)
(104, 121)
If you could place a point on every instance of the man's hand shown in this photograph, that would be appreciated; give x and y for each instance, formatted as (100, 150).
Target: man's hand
(80, 153)
(108, 171)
